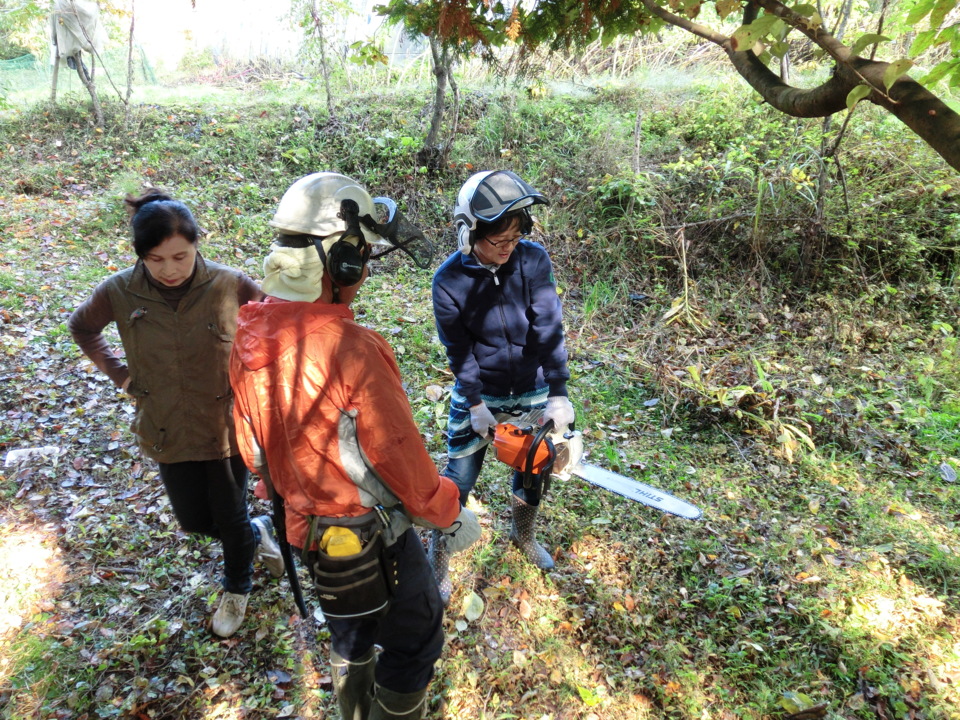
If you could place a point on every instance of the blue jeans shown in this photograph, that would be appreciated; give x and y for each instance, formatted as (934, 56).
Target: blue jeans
(411, 632)
(464, 472)
(209, 498)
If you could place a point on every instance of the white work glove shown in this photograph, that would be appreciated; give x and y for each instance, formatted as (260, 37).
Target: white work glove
(464, 532)
(481, 419)
(559, 410)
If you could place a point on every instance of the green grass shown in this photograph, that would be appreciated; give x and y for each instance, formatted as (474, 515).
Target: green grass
(830, 572)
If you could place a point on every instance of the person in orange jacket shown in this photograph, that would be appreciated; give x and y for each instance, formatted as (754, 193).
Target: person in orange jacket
(321, 414)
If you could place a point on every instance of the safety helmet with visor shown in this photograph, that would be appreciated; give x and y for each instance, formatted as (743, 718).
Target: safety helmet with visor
(340, 219)
(489, 196)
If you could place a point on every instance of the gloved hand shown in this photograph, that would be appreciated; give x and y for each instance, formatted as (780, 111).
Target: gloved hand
(464, 532)
(559, 410)
(481, 419)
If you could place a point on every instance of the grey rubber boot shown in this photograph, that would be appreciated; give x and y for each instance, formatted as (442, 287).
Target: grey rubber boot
(353, 684)
(439, 560)
(390, 705)
(522, 534)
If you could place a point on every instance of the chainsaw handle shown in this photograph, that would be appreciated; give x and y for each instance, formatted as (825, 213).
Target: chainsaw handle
(539, 438)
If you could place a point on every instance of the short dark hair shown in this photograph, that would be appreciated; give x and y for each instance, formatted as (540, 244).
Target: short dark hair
(485, 229)
(155, 217)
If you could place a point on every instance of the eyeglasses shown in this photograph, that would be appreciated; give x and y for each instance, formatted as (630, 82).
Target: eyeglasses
(505, 242)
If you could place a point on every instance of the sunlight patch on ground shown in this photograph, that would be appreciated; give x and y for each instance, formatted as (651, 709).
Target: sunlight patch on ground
(887, 617)
(947, 672)
(30, 570)
(224, 710)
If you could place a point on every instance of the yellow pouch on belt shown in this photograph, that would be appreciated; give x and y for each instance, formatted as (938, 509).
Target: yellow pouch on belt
(340, 542)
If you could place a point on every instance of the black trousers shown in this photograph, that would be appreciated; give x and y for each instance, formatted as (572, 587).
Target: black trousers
(209, 498)
(410, 633)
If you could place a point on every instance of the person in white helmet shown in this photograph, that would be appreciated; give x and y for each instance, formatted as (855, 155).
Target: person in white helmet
(499, 317)
(323, 418)
(176, 314)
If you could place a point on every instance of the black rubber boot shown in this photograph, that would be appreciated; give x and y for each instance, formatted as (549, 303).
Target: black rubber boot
(353, 684)
(522, 534)
(390, 705)
(439, 560)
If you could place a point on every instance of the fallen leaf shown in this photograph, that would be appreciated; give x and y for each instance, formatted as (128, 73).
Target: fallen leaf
(472, 607)
(525, 610)
(589, 697)
(948, 473)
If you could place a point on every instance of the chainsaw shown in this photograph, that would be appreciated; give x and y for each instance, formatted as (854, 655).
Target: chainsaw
(548, 453)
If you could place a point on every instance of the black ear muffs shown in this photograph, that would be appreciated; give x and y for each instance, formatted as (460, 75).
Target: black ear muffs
(349, 254)
(345, 261)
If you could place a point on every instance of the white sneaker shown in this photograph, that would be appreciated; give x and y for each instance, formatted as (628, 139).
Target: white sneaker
(268, 551)
(229, 614)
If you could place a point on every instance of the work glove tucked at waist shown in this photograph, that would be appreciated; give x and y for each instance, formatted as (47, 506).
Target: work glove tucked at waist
(464, 532)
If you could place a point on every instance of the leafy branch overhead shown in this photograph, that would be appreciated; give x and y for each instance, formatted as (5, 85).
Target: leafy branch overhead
(766, 25)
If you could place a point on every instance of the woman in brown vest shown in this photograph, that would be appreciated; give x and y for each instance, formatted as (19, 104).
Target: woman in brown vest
(176, 314)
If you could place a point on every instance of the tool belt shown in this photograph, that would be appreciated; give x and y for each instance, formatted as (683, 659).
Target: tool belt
(352, 586)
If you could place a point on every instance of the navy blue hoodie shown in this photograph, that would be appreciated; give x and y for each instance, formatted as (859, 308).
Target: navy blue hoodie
(503, 331)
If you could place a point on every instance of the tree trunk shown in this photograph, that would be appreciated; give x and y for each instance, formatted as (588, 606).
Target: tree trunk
(845, 7)
(456, 104)
(56, 60)
(56, 75)
(87, 80)
(324, 68)
(441, 62)
(126, 99)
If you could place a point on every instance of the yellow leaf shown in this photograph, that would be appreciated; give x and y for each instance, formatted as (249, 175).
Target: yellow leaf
(795, 702)
(513, 28)
(726, 7)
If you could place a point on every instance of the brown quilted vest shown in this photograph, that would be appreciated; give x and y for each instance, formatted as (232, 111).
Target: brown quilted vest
(178, 362)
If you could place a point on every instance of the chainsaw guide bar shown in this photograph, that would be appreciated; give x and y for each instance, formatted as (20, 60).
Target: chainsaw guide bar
(558, 454)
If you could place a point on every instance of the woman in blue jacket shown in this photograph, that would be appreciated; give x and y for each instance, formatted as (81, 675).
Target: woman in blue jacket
(498, 315)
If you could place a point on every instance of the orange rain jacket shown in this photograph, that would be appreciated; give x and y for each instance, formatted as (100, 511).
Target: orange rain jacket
(318, 401)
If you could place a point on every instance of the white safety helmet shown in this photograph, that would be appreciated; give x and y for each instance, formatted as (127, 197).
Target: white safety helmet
(311, 206)
(488, 196)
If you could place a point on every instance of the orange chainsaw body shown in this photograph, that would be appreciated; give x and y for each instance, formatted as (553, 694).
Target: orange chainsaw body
(512, 445)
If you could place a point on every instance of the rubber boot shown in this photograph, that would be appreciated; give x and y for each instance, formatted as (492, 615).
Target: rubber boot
(390, 705)
(522, 534)
(439, 560)
(353, 684)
